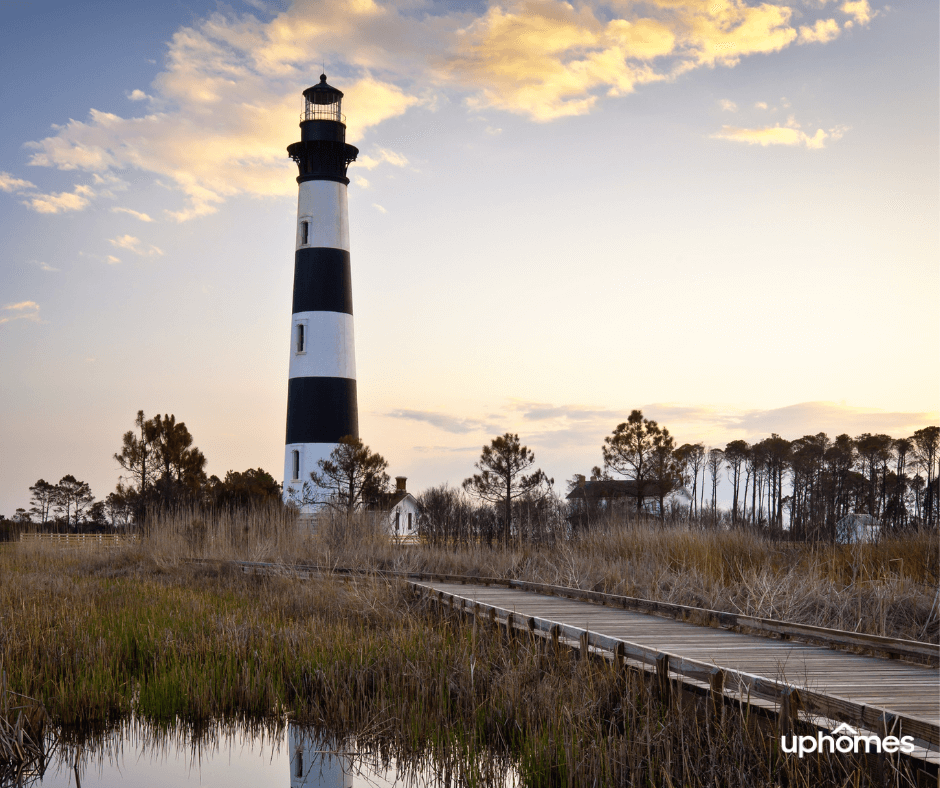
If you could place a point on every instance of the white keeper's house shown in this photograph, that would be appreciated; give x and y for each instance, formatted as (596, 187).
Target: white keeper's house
(400, 509)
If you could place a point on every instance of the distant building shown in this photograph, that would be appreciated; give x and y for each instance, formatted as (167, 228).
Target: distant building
(857, 528)
(601, 494)
(401, 510)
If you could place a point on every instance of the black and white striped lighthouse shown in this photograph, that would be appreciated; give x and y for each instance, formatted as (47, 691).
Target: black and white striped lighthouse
(321, 393)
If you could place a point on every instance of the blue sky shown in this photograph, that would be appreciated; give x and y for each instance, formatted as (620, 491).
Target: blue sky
(722, 213)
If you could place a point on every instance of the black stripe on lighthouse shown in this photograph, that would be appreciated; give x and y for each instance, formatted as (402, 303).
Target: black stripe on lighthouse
(322, 280)
(321, 410)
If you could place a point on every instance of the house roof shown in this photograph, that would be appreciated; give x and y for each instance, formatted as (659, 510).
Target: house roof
(385, 502)
(619, 488)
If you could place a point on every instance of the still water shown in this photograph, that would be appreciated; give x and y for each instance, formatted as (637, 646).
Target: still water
(233, 756)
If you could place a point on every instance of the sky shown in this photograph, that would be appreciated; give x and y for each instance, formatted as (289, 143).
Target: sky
(721, 212)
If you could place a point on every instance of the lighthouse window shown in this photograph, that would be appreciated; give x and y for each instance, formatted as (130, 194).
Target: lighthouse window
(301, 338)
(295, 465)
(304, 233)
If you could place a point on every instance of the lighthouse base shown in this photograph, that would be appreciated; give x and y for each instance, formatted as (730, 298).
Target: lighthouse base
(300, 460)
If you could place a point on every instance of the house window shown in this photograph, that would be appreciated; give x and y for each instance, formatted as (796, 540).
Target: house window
(299, 763)
(301, 338)
(397, 521)
(409, 521)
(295, 464)
(304, 233)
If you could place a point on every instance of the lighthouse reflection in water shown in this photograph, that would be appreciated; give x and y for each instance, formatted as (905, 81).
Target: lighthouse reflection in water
(137, 754)
(313, 764)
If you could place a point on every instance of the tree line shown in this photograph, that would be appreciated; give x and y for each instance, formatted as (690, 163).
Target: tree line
(161, 469)
(811, 483)
(800, 488)
(797, 489)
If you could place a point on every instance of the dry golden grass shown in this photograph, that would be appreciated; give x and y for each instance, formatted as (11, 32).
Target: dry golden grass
(888, 588)
(98, 635)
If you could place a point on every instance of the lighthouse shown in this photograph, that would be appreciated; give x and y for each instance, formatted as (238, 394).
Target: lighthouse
(321, 388)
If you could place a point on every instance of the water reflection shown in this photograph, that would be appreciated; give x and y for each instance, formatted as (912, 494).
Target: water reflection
(274, 753)
(312, 766)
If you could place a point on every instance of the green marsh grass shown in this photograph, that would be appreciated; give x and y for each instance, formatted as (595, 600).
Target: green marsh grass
(99, 636)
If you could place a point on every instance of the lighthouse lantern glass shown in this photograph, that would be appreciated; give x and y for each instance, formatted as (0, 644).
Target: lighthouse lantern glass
(323, 106)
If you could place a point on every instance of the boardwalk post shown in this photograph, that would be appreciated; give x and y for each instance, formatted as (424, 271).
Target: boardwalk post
(663, 689)
(789, 711)
(619, 656)
(716, 704)
(584, 643)
(554, 634)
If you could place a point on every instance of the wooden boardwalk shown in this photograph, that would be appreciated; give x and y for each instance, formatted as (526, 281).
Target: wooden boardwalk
(866, 692)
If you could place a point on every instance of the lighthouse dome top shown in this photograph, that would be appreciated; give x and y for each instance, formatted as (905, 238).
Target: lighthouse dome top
(323, 102)
(322, 93)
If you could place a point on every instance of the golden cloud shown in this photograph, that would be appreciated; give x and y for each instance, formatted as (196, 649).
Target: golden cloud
(859, 10)
(136, 214)
(790, 135)
(60, 202)
(24, 310)
(135, 245)
(224, 108)
(824, 31)
(9, 183)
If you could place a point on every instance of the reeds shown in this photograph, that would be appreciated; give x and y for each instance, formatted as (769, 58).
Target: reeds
(887, 588)
(141, 630)
(22, 734)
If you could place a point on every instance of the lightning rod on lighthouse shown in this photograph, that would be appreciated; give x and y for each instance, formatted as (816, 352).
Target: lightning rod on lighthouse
(321, 392)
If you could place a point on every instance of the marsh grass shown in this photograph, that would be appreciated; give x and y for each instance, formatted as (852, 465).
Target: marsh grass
(886, 588)
(99, 636)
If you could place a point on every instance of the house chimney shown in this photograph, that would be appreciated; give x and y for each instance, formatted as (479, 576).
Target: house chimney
(400, 483)
(580, 478)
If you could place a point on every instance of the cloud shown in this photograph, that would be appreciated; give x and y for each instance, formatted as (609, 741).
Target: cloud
(382, 155)
(761, 105)
(379, 208)
(446, 449)
(808, 418)
(43, 266)
(824, 31)
(790, 135)
(361, 182)
(539, 411)
(10, 183)
(61, 202)
(727, 105)
(225, 105)
(24, 310)
(112, 260)
(859, 10)
(136, 214)
(135, 245)
(453, 424)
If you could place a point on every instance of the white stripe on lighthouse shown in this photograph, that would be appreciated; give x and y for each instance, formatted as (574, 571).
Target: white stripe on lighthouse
(329, 346)
(322, 204)
(310, 454)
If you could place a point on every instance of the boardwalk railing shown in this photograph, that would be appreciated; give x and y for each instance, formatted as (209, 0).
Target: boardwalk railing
(897, 647)
(77, 540)
(791, 700)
